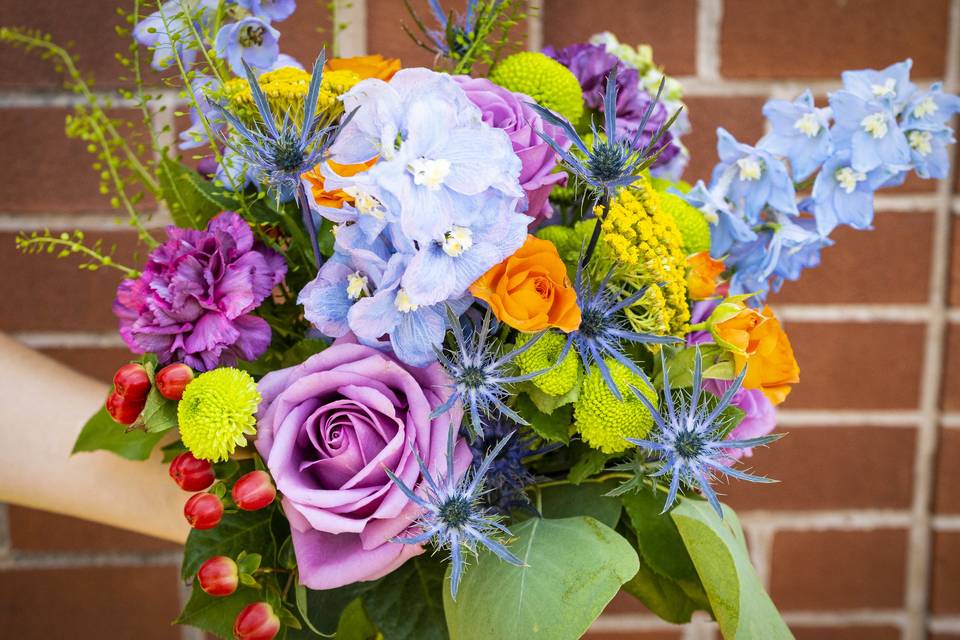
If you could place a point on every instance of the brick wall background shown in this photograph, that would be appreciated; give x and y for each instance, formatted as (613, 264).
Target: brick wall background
(860, 541)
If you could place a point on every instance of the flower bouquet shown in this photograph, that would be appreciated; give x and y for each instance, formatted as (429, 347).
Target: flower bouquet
(455, 352)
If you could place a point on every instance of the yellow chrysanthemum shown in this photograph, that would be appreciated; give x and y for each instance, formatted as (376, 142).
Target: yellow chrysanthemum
(286, 88)
(690, 222)
(543, 354)
(603, 421)
(217, 411)
(542, 78)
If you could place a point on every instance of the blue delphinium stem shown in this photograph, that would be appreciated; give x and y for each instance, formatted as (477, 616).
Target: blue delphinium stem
(304, 204)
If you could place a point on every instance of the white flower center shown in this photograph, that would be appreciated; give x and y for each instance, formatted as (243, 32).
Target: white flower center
(356, 285)
(429, 173)
(457, 240)
(365, 203)
(920, 141)
(888, 88)
(847, 178)
(875, 124)
(403, 302)
(808, 125)
(924, 108)
(750, 168)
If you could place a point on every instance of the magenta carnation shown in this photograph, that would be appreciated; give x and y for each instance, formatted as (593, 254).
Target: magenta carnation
(192, 302)
(509, 111)
(328, 429)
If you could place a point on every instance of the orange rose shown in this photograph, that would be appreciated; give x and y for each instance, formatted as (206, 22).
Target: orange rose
(336, 197)
(702, 278)
(758, 342)
(375, 66)
(530, 290)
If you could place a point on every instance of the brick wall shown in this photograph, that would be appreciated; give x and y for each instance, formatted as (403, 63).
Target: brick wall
(860, 541)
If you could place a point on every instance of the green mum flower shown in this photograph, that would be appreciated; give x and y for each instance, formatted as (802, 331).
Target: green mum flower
(605, 422)
(544, 79)
(217, 411)
(543, 355)
(691, 224)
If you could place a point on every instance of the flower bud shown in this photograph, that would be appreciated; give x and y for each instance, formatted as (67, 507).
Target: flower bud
(219, 576)
(132, 382)
(253, 491)
(190, 473)
(124, 410)
(173, 379)
(256, 621)
(730, 323)
(203, 511)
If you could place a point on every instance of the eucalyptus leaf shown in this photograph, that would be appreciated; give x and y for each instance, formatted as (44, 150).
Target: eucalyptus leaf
(101, 433)
(407, 604)
(237, 532)
(587, 499)
(658, 540)
(663, 596)
(573, 568)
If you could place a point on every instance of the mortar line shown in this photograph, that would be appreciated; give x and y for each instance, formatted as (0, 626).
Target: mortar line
(709, 17)
(535, 25)
(847, 418)
(351, 41)
(22, 560)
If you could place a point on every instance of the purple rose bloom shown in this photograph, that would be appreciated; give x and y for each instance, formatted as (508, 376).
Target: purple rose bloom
(760, 417)
(192, 302)
(591, 63)
(327, 429)
(504, 109)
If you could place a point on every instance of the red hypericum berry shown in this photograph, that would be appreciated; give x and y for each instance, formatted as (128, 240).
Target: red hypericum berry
(173, 379)
(131, 382)
(191, 473)
(256, 621)
(203, 511)
(253, 491)
(219, 576)
(124, 410)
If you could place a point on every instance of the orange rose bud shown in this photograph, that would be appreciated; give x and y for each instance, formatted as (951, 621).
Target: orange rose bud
(530, 291)
(703, 275)
(375, 66)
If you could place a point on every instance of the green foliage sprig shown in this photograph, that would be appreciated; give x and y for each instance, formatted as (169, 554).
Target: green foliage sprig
(67, 244)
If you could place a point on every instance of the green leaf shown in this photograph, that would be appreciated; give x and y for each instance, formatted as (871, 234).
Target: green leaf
(190, 201)
(159, 414)
(216, 614)
(663, 596)
(553, 427)
(407, 604)
(547, 403)
(658, 539)
(101, 433)
(573, 568)
(301, 351)
(587, 499)
(322, 609)
(355, 624)
(719, 552)
(589, 463)
(237, 532)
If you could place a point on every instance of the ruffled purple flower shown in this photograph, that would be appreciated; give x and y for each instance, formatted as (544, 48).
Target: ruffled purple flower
(192, 302)
(760, 417)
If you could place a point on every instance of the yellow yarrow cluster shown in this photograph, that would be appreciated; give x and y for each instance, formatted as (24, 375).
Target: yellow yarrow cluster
(217, 412)
(691, 224)
(543, 354)
(544, 79)
(286, 88)
(603, 421)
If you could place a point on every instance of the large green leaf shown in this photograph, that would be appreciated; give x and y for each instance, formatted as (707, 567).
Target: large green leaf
(216, 614)
(407, 604)
(102, 433)
(658, 539)
(719, 552)
(663, 596)
(573, 568)
(323, 609)
(587, 499)
(238, 531)
(355, 624)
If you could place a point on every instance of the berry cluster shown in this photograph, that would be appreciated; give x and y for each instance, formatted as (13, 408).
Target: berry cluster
(132, 384)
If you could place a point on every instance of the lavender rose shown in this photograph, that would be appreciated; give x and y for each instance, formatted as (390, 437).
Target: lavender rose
(509, 111)
(760, 416)
(192, 302)
(327, 429)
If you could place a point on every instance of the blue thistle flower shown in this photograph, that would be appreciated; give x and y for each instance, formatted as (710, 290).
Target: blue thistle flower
(457, 35)
(454, 517)
(603, 328)
(690, 437)
(480, 373)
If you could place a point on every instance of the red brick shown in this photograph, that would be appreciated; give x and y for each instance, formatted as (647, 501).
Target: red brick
(817, 471)
(950, 392)
(944, 587)
(946, 496)
(108, 602)
(740, 116)
(836, 570)
(623, 602)
(846, 633)
(889, 264)
(309, 29)
(34, 530)
(670, 28)
(634, 635)
(856, 366)
(955, 257)
(821, 38)
(48, 294)
(96, 363)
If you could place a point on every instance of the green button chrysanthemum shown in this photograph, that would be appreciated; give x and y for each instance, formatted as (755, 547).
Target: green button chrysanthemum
(605, 422)
(543, 354)
(217, 411)
(690, 223)
(544, 79)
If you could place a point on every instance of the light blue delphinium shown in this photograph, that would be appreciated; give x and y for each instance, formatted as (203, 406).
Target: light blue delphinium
(251, 42)
(752, 178)
(890, 86)
(169, 33)
(480, 373)
(727, 227)
(844, 195)
(799, 132)
(928, 151)
(800, 255)
(870, 130)
(271, 10)
(930, 109)
(454, 518)
(603, 328)
(690, 437)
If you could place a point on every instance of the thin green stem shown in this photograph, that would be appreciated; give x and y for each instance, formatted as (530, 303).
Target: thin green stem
(605, 208)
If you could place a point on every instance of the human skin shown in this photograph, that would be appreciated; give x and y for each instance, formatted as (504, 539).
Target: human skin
(43, 406)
